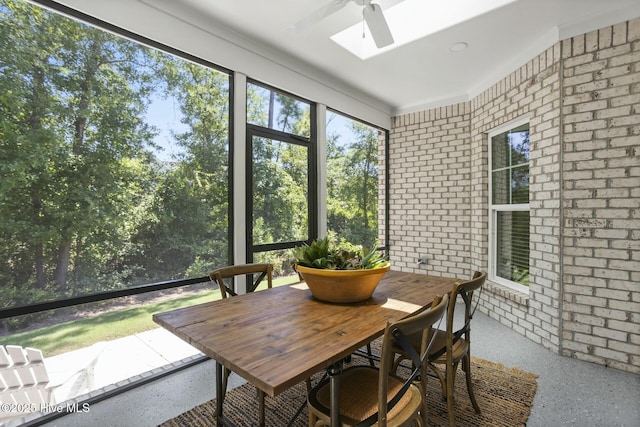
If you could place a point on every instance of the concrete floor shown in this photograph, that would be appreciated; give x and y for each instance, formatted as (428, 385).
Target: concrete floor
(570, 392)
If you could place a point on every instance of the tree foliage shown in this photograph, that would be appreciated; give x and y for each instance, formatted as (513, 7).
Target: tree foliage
(85, 204)
(352, 184)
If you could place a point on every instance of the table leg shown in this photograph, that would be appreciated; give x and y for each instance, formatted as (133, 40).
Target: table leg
(220, 394)
(334, 388)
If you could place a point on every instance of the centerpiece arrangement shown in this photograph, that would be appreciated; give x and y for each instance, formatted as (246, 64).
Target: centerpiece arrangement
(340, 273)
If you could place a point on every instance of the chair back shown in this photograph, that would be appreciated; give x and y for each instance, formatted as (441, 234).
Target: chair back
(465, 290)
(397, 332)
(261, 270)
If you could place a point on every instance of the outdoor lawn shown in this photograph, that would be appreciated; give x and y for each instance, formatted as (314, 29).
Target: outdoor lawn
(72, 335)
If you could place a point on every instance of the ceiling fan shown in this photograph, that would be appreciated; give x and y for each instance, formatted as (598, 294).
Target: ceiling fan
(372, 13)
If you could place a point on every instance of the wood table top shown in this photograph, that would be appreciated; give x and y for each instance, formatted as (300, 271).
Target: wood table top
(278, 337)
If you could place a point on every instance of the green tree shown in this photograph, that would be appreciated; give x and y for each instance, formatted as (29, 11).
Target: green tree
(352, 184)
(73, 144)
(85, 205)
(191, 221)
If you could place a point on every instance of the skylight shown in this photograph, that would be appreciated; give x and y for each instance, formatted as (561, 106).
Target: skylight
(411, 20)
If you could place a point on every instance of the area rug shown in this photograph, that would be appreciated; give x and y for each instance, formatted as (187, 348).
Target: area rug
(505, 396)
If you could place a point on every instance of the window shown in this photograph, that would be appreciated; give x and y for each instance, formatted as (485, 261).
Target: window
(509, 205)
(352, 179)
(106, 143)
(280, 176)
(278, 111)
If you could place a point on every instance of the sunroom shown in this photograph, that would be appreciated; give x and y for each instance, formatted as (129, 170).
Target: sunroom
(145, 143)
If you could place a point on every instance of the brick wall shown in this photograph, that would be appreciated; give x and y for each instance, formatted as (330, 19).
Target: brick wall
(430, 179)
(533, 91)
(601, 196)
(582, 97)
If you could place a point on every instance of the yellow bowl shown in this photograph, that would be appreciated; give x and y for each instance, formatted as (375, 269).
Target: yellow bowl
(342, 286)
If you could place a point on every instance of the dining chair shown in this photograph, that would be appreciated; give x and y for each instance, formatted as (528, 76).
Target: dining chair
(451, 347)
(373, 396)
(257, 273)
(230, 272)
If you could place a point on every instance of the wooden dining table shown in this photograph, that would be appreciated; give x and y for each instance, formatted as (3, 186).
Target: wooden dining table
(279, 337)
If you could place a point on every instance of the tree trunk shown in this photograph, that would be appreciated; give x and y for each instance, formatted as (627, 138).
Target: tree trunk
(79, 128)
(271, 112)
(39, 265)
(38, 91)
(365, 193)
(62, 264)
(38, 247)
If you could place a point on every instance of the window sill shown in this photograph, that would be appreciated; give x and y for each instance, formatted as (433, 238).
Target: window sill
(509, 294)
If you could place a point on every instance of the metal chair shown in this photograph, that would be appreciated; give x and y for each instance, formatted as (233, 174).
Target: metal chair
(451, 347)
(373, 396)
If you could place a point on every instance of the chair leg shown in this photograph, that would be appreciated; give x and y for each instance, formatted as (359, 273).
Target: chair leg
(466, 366)
(313, 419)
(370, 354)
(261, 395)
(425, 406)
(441, 378)
(396, 364)
(451, 380)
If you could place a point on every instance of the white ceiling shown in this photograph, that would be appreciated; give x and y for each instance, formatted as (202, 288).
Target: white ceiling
(414, 76)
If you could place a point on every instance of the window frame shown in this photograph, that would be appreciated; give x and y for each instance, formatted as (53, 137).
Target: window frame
(494, 209)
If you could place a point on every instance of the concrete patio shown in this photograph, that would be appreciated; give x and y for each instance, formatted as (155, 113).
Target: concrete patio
(120, 360)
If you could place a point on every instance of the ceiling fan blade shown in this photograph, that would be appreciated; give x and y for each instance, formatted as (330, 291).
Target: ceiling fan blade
(321, 13)
(377, 25)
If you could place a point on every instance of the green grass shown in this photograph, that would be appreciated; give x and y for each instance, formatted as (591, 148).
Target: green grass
(76, 334)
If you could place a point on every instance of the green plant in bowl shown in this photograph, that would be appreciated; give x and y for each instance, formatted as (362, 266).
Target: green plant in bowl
(323, 254)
